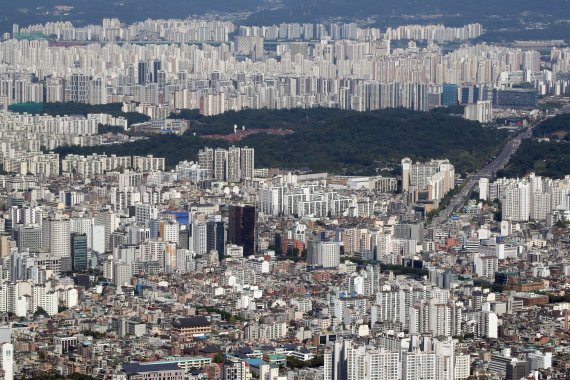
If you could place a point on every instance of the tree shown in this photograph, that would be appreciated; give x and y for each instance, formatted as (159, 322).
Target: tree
(340, 141)
(94, 334)
(110, 129)
(293, 362)
(41, 312)
(219, 358)
(317, 361)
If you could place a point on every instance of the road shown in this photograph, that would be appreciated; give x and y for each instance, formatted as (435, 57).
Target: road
(488, 171)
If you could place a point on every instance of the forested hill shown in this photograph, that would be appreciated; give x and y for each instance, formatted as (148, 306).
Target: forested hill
(508, 19)
(332, 140)
(448, 11)
(557, 127)
(550, 157)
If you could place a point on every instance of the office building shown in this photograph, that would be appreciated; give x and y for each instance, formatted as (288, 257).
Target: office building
(242, 227)
(79, 252)
(28, 237)
(216, 238)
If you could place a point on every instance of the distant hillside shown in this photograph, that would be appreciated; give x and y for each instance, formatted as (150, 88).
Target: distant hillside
(331, 140)
(557, 127)
(550, 159)
(507, 20)
(84, 12)
(547, 158)
(460, 11)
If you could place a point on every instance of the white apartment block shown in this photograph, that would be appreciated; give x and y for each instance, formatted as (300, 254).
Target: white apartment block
(434, 178)
(532, 197)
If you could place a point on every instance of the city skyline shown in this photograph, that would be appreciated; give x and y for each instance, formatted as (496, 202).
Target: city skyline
(211, 197)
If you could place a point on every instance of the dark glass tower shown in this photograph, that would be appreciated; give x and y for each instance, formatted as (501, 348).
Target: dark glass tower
(79, 252)
(215, 238)
(241, 228)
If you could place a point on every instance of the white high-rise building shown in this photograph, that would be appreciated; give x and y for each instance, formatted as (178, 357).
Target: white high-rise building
(462, 366)
(109, 220)
(540, 205)
(234, 164)
(485, 265)
(440, 318)
(7, 358)
(387, 306)
(381, 364)
(122, 273)
(406, 170)
(98, 239)
(484, 189)
(482, 111)
(371, 364)
(220, 164)
(206, 160)
(60, 237)
(199, 238)
(247, 162)
(430, 180)
(538, 360)
(489, 322)
(325, 254)
(169, 231)
(516, 204)
(353, 362)
(418, 366)
(45, 298)
(533, 197)
(144, 213)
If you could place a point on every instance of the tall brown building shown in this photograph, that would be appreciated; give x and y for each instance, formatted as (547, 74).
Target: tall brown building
(241, 228)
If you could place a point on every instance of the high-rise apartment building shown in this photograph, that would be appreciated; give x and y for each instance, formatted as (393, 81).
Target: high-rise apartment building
(220, 164)
(59, 237)
(7, 360)
(247, 162)
(516, 204)
(429, 181)
(199, 238)
(233, 165)
(77, 89)
(233, 173)
(206, 160)
(323, 254)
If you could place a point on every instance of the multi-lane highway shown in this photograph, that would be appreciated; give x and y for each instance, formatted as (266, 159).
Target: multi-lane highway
(488, 171)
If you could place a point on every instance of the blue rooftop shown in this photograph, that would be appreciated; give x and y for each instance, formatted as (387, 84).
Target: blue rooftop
(255, 362)
(134, 368)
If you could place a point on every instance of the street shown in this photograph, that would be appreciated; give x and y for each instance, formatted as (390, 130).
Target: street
(488, 171)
